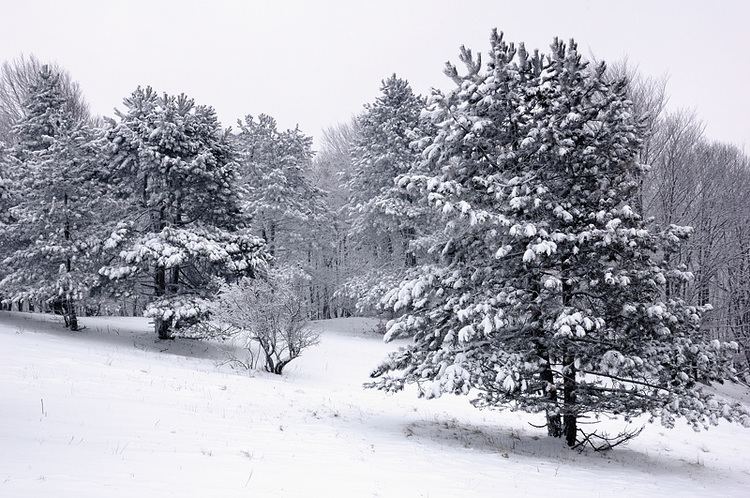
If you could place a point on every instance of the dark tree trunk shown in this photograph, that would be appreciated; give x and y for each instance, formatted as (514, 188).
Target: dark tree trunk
(162, 329)
(570, 426)
(161, 326)
(72, 317)
(570, 411)
(160, 283)
(554, 425)
(174, 279)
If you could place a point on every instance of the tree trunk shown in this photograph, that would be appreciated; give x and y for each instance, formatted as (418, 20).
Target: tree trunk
(160, 283)
(161, 326)
(570, 412)
(175, 279)
(554, 425)
(162, 329)
(570, 426)
(72, 317)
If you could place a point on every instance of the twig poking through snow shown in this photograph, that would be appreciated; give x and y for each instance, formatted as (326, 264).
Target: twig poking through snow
(249, 477)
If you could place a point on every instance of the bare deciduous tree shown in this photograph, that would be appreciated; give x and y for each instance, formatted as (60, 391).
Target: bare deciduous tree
(700, 183)
(267, 315)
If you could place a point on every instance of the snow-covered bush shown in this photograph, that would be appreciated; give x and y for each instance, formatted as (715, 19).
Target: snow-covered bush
(267, 314)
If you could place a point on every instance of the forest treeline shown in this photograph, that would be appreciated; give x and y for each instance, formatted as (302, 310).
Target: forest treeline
(548, 232)
(331, 213)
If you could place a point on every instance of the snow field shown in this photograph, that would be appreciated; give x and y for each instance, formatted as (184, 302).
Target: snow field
(112, 412)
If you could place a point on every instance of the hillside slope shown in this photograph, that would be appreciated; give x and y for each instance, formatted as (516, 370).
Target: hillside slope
(110, 411)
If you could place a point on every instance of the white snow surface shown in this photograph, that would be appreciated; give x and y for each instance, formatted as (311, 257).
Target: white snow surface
(112, 412)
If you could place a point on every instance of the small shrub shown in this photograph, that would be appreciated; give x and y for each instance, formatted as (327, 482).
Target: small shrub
(267, 318)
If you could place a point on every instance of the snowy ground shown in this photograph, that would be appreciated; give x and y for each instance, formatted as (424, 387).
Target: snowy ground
(111, 412)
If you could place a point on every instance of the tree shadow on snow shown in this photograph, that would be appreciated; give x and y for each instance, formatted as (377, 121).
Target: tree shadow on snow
(535, 445)
(121, 332)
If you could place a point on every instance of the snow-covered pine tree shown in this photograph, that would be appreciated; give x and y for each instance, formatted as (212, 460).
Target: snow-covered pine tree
(279, 198)
(183, 233)
(50, 231)
(548, 291)
(17, 76)
(384, 222)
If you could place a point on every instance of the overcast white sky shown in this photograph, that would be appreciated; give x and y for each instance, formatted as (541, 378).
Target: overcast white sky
(317, 62)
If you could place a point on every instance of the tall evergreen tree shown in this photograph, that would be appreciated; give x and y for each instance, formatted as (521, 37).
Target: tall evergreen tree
(18, 76)
(184, 232)
(382, 216)
(549, 290)
(51, 220)
(279, 198)
(384, 222)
